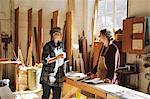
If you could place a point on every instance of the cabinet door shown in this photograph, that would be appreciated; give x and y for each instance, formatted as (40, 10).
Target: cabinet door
(138, 34)
(126, 37)
(133, 35)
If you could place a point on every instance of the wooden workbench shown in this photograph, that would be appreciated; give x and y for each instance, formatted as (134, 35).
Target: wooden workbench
(108, 91)
(87, 87)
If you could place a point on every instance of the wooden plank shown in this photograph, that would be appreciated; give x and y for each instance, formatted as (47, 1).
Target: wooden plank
(91, 52)
(16, 31)
(87, 87)
(126, 37)
(51, 23)
(84, 53)
(36, 45)
(0, 55)
(0, 42)
(80, 44)
(69, 35)
(92, 30)
(97, 47)
(16, 43)
(68, 91)
(64, 35)
(55, 18)
(71, 5)
(20, 56)
(90, 58)
(77, 66)
(40, 35)
(29, 42)
(29, 28)
(82, 65)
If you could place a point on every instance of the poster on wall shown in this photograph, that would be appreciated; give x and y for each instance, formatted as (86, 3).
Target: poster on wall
(138, 28)
(137, 44)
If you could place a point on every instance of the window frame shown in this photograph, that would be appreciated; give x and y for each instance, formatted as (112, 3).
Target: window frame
(112, 14)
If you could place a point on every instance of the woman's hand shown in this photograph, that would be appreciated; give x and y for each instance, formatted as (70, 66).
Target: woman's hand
(93, 75)
(53, 59)
(107, 80)
(88, 74)
(60, 56)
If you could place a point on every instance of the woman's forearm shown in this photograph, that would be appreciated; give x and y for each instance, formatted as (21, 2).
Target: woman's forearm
(51, 60)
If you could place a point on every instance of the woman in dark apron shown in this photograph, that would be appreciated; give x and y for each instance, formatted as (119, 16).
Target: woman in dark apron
(108, 61)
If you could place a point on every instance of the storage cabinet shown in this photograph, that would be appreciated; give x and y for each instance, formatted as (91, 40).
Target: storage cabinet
(135, 34)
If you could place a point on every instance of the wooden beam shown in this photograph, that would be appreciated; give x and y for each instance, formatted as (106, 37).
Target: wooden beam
(16, 31)
(40, 34)
(84, 53)
(55, 18)
(0, 42)
(71, 5)
(36, 45)
(16, 43)
(69, 35)
(51, 23)
(0, 54)
(29, 42)
(64, 34)
(29, 27)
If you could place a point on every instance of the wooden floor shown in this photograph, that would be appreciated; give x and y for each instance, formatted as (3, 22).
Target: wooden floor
(37, 94)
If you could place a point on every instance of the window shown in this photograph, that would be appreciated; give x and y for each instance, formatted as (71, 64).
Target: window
(111, 13)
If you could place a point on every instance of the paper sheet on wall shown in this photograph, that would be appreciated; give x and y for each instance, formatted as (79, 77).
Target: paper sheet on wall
(138, 28)
(137, 44)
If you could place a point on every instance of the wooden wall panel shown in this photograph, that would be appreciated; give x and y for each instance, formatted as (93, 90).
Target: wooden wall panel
(126, 39)
(55, 18)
